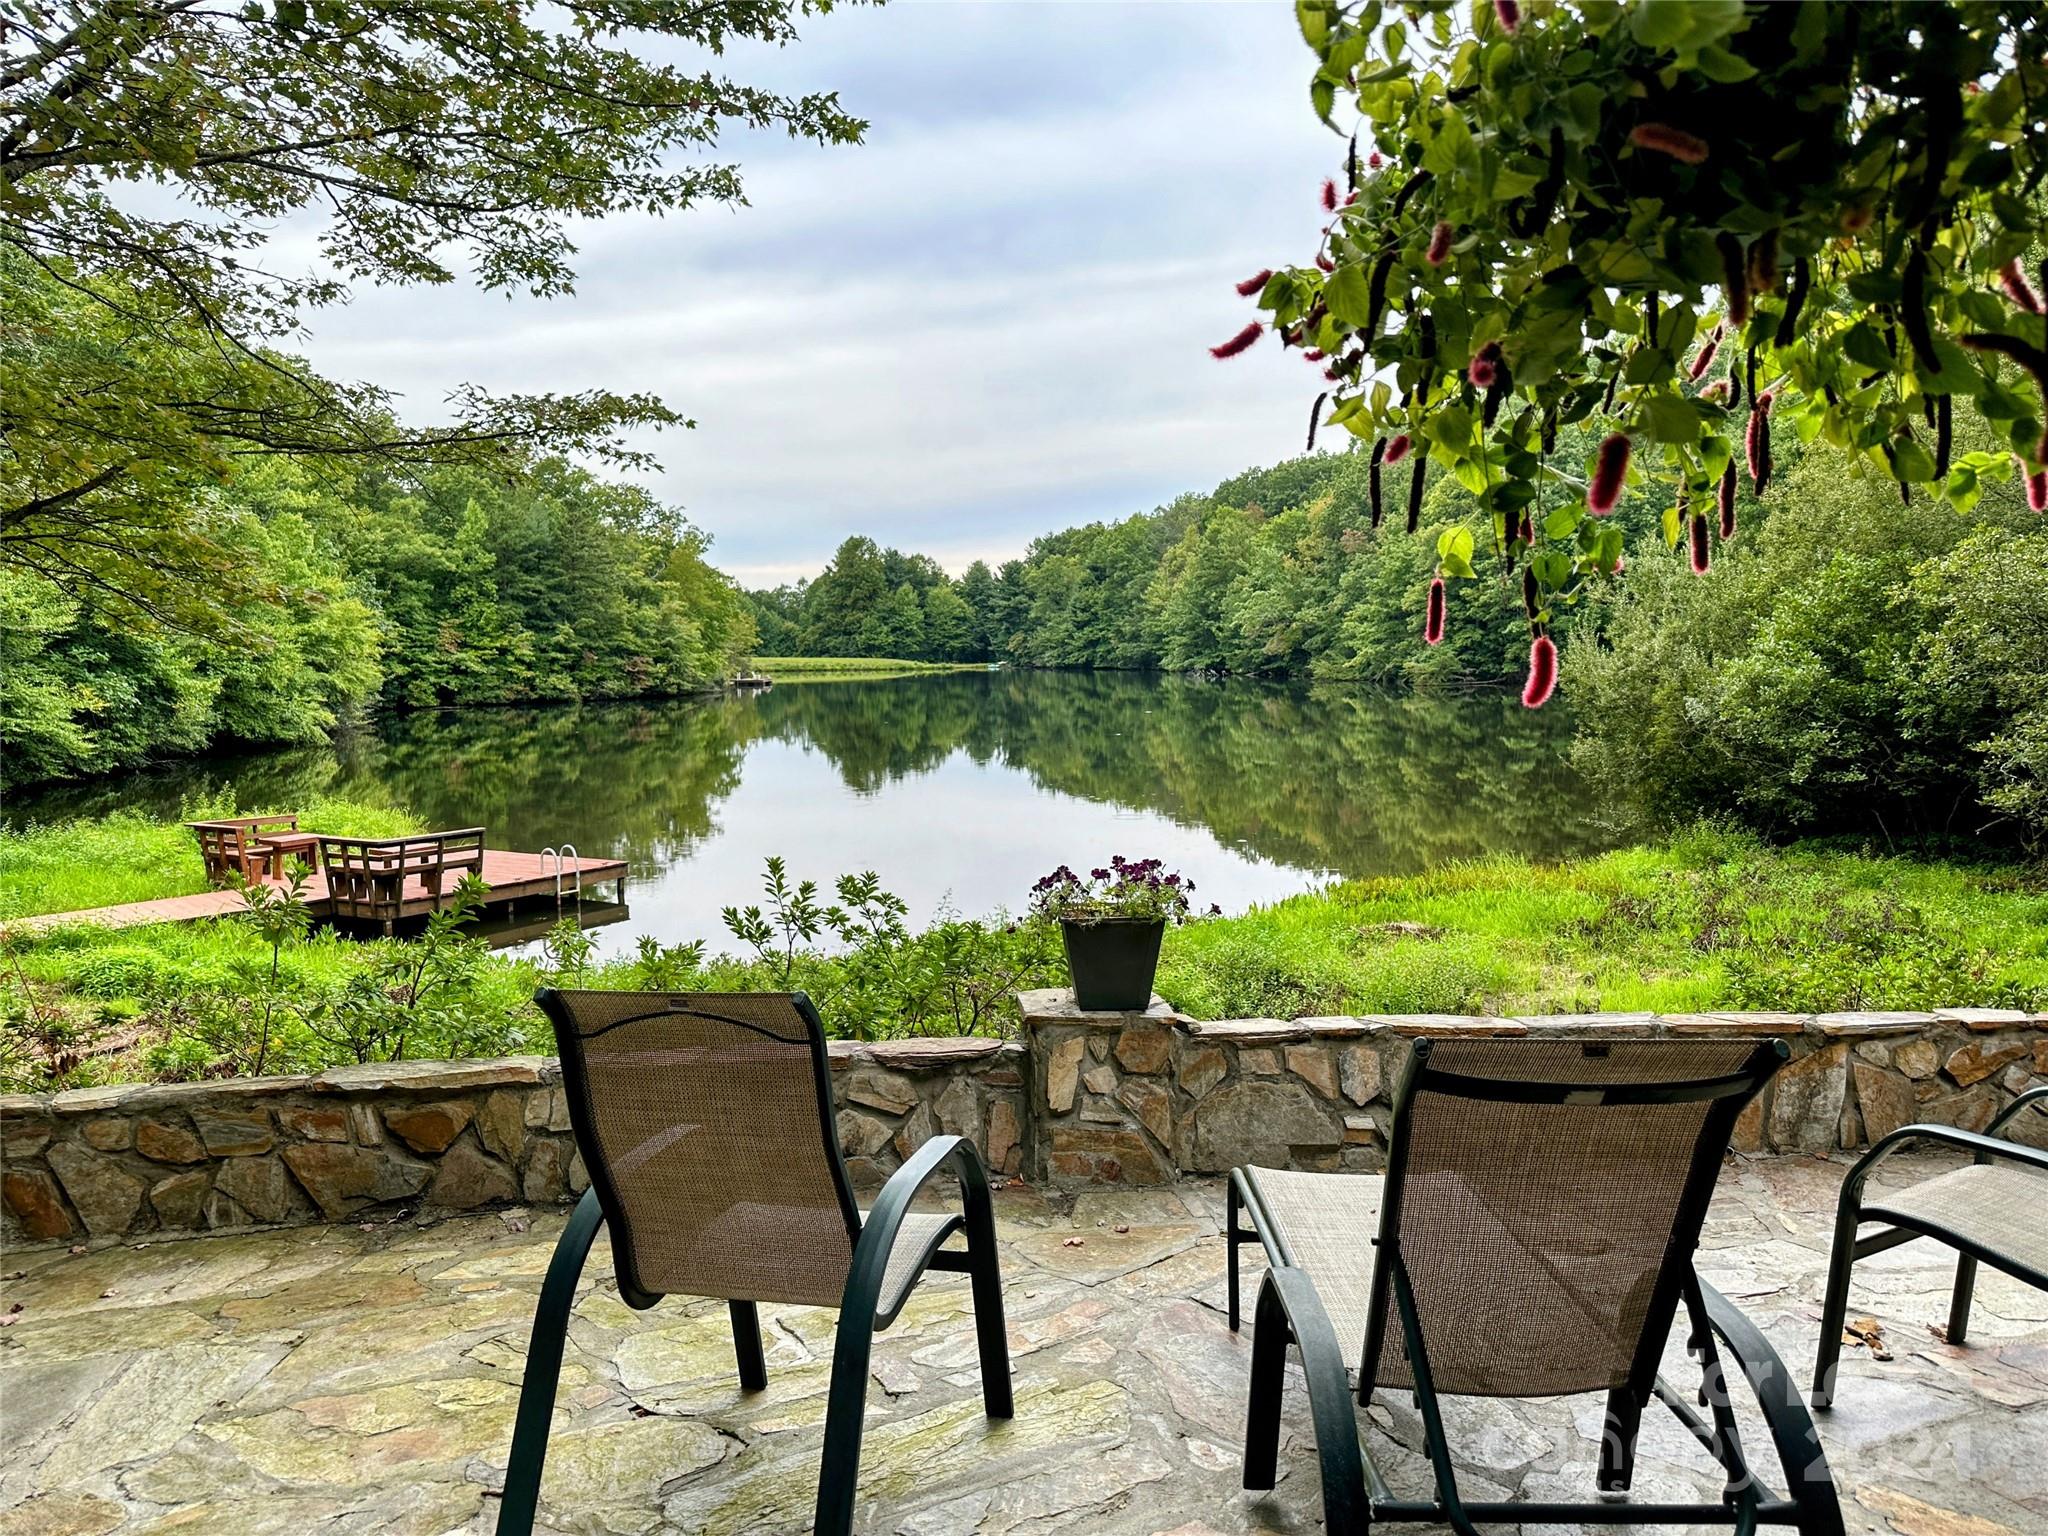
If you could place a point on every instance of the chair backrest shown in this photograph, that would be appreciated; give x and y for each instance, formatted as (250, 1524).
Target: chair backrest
(367, 876)
(706, 1122)
(1545, 1197)
(226, 843)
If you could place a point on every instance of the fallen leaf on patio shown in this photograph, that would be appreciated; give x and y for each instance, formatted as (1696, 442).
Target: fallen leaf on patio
(1074, 1242)
(9, 1320)
(1939, 1330)
(1123, 1229)
(1867, 1331)
(75, 1249)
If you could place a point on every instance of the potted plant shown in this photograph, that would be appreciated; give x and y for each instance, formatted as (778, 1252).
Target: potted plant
(1112, 923)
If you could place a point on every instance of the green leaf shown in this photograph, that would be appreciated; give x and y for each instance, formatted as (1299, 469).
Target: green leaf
(1864, 345)
(1910, 462)
(1563, 522)
(1962, 488)
(1348, 294)
(1719, 64)
(1672, 420)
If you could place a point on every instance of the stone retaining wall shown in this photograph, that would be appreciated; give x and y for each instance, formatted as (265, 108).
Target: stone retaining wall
(1142, 1098)
(129, 1161)
(1081, 1100)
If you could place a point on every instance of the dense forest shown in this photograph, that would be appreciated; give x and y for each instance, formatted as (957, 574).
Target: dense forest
(366, 587)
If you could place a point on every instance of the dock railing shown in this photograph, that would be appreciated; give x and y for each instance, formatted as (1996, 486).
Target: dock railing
(367, 877)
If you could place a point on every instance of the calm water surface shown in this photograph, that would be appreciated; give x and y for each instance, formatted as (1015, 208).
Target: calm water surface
(959, 789)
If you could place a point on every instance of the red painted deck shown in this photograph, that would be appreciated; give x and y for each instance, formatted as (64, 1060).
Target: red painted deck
(512, 876)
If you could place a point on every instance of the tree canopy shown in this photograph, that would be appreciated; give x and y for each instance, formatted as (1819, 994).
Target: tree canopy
(1687, 224)
(144, 350)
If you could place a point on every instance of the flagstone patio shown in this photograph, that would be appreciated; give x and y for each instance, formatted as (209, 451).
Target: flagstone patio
(346, 1379)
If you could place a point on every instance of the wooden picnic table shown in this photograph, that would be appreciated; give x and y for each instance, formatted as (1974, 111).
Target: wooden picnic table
(286, 846)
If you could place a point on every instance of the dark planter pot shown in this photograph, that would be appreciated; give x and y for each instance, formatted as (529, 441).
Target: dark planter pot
(1112, 961)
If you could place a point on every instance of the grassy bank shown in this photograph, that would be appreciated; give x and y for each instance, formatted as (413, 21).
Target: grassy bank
(104, 861)
(1707, 921)
(850, 668)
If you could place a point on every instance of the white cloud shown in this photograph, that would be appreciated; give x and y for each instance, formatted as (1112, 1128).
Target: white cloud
(986, 323)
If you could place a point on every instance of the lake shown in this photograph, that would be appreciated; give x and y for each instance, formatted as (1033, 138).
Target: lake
(958, 789)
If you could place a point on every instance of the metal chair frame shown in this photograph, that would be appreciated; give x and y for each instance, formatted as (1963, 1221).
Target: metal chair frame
(1903, 1227)
(1355, 1494)
(860, 1309)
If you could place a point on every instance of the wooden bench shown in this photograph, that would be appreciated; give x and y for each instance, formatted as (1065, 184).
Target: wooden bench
(231, 850)
(382, 879)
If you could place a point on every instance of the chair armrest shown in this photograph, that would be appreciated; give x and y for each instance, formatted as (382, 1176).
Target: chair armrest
(2016, 1108)
(1785, 1414)
(1288, 1298)
(877, 1241)
(1986, 1147)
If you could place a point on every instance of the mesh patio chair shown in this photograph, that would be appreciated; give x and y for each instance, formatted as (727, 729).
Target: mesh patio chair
(1994, 1211)
(707, 1126)
(1535, 1236)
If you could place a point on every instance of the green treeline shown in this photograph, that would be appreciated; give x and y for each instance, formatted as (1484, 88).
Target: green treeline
(443, 586)
(1277, 572)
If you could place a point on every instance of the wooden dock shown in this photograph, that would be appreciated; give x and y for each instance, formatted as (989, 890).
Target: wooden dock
(511, 876)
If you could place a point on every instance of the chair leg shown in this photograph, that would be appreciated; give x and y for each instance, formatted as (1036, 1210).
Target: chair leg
(845, 1408)
(1230, 1209)
(544, 1369)
(1834, 1309)
(1618, 1440)
(991, 1331)
(1270, 1338)
(1959, 1304)
(746, 1344)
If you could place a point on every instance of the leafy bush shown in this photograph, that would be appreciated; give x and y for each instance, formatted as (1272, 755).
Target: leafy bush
(1863, 666)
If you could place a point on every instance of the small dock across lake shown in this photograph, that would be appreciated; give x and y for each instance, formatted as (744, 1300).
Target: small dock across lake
(512, 876)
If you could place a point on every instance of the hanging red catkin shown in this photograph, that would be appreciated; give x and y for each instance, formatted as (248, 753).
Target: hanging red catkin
(1526, 531)
(1397, 449)
(1325, 264)
(1439, 244)
(1756, 442)
(1255, 282)
(1705, 360)
(1329, 195)
(1702, 553)
(1416, 476)
(1610, 469)
(2017, 288)
(1510, 15)
(1667, 140)
(1484, 368)
(1542, 681)
(1312, 356)
(1734, 278)
(1379, 451)
(1433, 620)
(1727, 501)
(1241, 342)
(2037, 487)
(1532, 594)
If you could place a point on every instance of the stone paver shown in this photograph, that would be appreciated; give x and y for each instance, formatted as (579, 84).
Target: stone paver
(357, 1379)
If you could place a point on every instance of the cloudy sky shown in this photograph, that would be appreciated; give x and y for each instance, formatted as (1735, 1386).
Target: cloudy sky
(985, 323)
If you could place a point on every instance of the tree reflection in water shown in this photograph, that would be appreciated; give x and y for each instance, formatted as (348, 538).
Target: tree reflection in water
(1319, 779)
